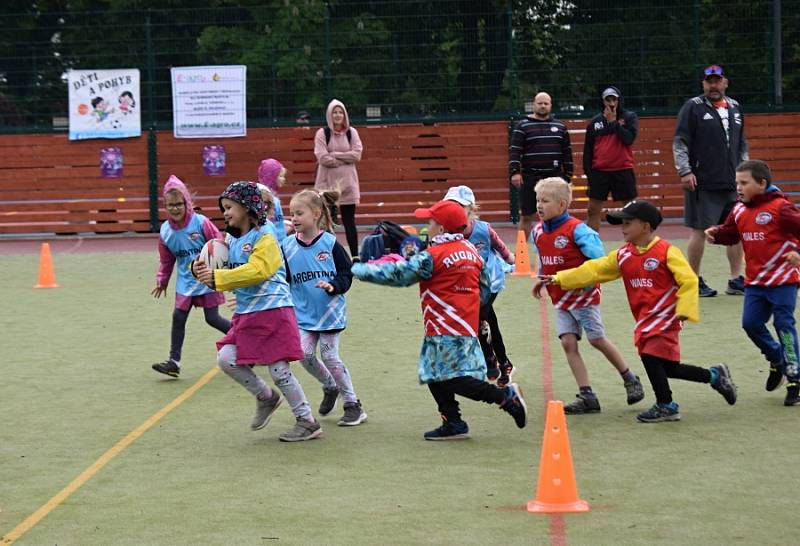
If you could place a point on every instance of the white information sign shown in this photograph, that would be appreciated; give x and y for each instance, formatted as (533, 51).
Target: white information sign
(209, 101)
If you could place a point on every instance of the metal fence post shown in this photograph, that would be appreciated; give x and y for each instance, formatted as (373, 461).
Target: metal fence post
(328, 76)
(777, 53)
(152, 140)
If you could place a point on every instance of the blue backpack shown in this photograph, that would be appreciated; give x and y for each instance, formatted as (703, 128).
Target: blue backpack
(372, 247)
(388, 237)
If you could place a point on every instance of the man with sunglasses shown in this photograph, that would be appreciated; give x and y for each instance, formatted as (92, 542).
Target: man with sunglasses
(709, 143)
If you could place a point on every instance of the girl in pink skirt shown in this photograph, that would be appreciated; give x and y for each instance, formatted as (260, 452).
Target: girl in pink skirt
(264, 330)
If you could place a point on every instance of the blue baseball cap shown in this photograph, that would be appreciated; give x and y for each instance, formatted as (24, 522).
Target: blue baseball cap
(713, 70)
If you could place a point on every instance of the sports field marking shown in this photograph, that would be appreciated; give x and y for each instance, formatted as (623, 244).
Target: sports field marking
(83, 477)
(558, 525)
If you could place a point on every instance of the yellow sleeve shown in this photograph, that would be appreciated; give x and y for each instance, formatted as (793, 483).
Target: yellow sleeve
(264, 262)
(688, 297)
(590, 272)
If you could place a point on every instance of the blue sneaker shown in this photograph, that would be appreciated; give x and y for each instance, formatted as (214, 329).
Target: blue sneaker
(450, 430)
(724, 384)
(705, 290)
(660, 413)
(515, 406)
(735, 286)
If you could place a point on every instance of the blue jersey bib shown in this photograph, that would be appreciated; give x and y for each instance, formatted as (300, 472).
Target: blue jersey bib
(482, 241)
(270, 294)
(185, 244)
(316, 310)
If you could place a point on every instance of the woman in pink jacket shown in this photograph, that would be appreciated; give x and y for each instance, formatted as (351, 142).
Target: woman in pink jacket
(338, 148)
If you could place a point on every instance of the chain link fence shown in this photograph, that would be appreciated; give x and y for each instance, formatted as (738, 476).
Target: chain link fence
(398, 61)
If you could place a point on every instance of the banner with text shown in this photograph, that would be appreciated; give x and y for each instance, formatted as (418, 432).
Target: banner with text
(104, 104)
(209, 101)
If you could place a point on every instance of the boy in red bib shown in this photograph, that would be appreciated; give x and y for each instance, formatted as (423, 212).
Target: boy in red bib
(662, 293)
(563, 242)
(453, 280)
(768, 226)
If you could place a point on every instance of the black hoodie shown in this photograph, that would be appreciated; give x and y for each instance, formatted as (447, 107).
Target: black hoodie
(608, 144)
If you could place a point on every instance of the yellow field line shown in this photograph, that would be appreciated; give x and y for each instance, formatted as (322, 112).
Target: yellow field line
(84, 476)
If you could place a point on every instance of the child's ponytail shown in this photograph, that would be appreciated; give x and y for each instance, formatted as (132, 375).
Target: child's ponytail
(326, 202)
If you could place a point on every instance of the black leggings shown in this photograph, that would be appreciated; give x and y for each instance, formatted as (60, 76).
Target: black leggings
(348, 213)
(444, 392)
(496, 348)
(659, 369)
(179, 316)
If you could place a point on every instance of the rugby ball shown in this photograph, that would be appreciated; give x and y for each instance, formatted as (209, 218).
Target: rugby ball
(215, 254)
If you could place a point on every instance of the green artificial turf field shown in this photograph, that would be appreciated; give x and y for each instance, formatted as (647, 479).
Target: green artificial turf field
(75, 379)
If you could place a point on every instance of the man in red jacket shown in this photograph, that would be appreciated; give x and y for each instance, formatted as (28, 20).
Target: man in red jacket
(608, 155)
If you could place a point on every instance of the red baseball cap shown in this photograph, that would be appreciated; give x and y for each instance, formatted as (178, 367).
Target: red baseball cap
(449, 214)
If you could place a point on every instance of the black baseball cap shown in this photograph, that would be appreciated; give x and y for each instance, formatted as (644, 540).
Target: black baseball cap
(642, 210)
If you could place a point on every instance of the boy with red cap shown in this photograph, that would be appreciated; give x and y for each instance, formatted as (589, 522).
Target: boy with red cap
(453, 281)
(662, 293)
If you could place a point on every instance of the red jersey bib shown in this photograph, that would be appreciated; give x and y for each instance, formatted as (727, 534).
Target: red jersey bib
(765, 244)
(558, 251)
(651, 287)
(451, 298)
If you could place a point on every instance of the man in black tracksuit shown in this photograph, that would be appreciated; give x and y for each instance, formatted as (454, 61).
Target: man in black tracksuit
(608, 155)
(709, 143)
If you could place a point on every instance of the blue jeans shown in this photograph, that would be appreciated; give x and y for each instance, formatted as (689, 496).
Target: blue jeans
(760, 303)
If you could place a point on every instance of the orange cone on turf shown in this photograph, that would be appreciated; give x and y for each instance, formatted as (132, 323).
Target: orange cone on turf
(47, 278)
(556, 491)
(522, 260)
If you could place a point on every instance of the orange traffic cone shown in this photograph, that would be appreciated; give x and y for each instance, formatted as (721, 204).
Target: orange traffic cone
(556, 491)
(47, 278)
(522, 261)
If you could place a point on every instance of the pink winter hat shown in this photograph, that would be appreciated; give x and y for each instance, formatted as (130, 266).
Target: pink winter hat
(268, 173)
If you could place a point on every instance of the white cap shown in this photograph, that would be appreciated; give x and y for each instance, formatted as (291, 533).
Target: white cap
(610, 92)
(460, 194)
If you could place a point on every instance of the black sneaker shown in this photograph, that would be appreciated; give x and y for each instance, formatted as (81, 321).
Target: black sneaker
(354, 414)
(456, 430)
(775, 377)
(634, 390)
(329, 398)
(506, 371)
(582, 404)
(792, 394)
(168, 367)
(705, 290)
(735, 286)
(659, 414)
(724, 384)
(515, 406)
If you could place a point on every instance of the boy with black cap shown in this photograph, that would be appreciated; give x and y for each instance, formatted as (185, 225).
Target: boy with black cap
(453, 281)
(662, 293)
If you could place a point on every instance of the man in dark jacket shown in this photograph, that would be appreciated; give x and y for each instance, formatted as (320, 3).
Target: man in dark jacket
(709, 143)
(608, 155)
